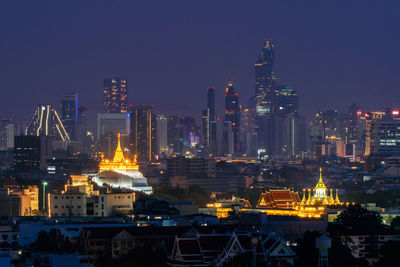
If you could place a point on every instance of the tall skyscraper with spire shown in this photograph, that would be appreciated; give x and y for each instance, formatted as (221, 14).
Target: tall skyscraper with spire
(232, 113)
(264, 78)
(115, 95)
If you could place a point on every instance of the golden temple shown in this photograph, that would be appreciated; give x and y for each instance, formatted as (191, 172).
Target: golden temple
(119, 162)
(319, 195)
(285, 202)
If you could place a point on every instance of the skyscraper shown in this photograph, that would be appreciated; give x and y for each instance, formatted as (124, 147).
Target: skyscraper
(162, 132)
(143, 132)
(285, 101)
(115, 95)
(262, 101)
(264, 78)
(232, 113)
(69, 113)
(211, 102)
(205, 128)
(46, 122)
(7, 133)
(82, 126)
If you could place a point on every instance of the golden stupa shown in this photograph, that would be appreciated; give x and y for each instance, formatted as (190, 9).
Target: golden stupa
(119, 163)
(319, 194)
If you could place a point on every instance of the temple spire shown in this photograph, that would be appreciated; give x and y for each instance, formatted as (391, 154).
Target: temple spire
(119, 154)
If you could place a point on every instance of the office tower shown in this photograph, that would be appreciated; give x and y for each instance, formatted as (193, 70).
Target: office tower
(30, 153)
(143, 132)
(385, 137)
(82, 125)
(112, 124)
(211, 102)
(232, 113)
(115, 95)
(264, 78)
(205, 128)
(108, 126)
(262, 101)
(69, 113)
(285, 101)
(46, 122)
(162, 133)
(172, 139)
(7, 133)
(353, 122)
(222, 141)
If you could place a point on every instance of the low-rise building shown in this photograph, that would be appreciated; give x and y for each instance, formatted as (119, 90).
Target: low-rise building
(19, 201)
(79, 199)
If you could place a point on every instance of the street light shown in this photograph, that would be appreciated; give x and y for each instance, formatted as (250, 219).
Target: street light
(44, 183)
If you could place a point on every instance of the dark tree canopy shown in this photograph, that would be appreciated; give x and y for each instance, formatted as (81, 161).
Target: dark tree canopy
(356, 216)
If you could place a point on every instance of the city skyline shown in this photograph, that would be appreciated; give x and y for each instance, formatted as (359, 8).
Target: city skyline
(43, 61)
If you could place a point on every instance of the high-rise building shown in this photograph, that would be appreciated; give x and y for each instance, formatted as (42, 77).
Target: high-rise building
(385, 137)
(222, 141)
(143, 132)
(264, 84)
(115, 95)
(285, 101)
(205, 128)
(264, 78)
(7, 133)
(69, 113)
(46, 122)
(30, 153)
(232, 113)
(211, 102)
(162, 134)
(82, 124)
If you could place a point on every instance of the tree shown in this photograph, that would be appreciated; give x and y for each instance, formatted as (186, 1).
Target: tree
(357, 216)
(395, 223)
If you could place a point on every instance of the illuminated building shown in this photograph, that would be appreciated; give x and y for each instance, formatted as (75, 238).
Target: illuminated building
(115, 95)
(69, 113)
(121, 172)
(285, 202)
(318, 196)
(384, 137)
(162, 130)
(79, 199)
(232, 113)
(279, 198)
(264, 78)
(46, 122)
(19, 201)
(143, 132)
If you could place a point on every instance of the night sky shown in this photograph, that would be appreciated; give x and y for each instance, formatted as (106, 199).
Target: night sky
(333, 52)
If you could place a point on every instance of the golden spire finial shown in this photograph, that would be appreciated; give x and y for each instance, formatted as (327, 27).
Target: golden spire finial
(119, 154)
